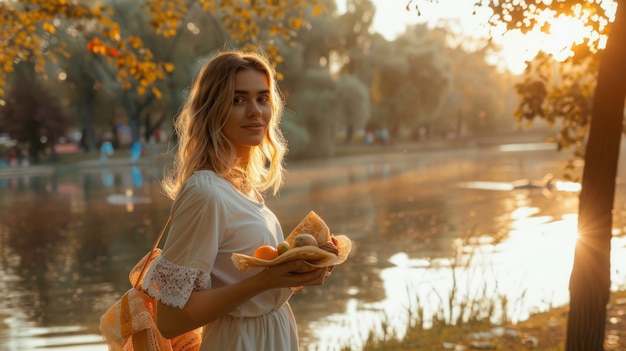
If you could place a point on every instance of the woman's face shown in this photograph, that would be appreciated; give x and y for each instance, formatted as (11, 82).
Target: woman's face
(251, 112)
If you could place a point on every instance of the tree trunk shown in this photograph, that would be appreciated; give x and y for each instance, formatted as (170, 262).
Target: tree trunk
(88, 140)
(133, 116)
(590, 278)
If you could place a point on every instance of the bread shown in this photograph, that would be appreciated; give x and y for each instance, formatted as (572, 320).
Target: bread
(311, 224)
(314, 255)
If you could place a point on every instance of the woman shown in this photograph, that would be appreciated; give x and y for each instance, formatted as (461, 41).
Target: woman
(230, 150)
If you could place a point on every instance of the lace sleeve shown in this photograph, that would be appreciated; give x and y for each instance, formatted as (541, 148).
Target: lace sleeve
(173, 284)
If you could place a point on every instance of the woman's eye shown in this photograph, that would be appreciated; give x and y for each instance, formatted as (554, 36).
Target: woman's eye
(264, 99)
(238, 100)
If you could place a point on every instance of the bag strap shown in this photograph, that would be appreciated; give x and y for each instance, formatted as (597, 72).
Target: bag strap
(156, 244)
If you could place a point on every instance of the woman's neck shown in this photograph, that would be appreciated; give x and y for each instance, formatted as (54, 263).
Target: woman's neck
(243, 158)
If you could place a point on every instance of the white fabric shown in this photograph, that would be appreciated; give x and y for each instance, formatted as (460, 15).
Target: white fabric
(211, 220)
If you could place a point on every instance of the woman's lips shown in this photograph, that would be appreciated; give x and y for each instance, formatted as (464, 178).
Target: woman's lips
(254, 127)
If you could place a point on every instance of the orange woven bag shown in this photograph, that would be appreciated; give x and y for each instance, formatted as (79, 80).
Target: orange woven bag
(130, 323)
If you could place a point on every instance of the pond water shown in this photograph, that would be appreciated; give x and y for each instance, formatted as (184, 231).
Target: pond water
(448, 232)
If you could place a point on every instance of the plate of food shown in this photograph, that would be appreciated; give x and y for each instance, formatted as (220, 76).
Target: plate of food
(311, 241)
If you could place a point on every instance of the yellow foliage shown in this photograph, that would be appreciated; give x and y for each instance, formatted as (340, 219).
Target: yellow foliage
(295, 23)
(274, 30)
(244, 14)
(49, 27)
(114, 32)
(135, 42)
(169, 67)
(279, 14)
(157, 93)
(136, 65)
(207, 5)
(317, 10)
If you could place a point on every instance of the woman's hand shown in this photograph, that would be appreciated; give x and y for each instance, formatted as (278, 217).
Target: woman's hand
(293, 273)
(207, 305)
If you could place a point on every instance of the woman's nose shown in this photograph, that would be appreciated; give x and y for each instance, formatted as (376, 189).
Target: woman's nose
(254, 110)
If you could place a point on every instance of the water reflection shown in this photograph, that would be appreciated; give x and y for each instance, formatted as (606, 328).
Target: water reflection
(506, 280)
(65, 254)
(423, 225)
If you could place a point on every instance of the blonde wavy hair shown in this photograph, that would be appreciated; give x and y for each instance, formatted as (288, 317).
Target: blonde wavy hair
(199, 126)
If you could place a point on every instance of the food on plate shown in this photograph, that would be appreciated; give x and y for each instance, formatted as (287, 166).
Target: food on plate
(266, 252)
(329, 246)
(283, 247)
(311, 241)
(304, 240)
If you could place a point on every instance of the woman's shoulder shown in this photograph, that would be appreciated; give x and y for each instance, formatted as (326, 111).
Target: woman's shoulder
(205, 182)
(201, 190)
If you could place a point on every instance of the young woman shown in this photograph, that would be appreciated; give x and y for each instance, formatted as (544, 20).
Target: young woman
(230, 150)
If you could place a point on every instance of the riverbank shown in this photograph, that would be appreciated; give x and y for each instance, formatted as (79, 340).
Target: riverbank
(158, 153)
(544, 331)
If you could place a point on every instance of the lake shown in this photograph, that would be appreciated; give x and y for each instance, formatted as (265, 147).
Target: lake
(425, 224)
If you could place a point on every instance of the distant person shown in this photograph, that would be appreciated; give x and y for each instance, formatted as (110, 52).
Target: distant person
(106, 151)
(384, 136)
(369, 138)
(24, 159)
(135, 151)
(230, 150)
(12, 158)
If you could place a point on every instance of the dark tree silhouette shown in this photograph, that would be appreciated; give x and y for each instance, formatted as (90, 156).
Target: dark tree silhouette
(33, 117)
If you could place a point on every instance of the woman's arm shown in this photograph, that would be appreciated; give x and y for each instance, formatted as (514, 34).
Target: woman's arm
(208, 305)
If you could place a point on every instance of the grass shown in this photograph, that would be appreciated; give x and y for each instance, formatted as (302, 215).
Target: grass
(479, 321)
(544, 331)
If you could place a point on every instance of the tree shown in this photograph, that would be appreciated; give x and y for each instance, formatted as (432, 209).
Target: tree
(183, 49)
(38, 31)
(352, 104)
(590, 277)
(465, 108)
(316, 106)
(29, 31)
(21, 40)
(32, 115)
(590, 280)
(409, 79)
(356, 41)
(563, 93)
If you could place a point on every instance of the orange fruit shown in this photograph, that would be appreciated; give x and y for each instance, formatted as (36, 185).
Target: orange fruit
(266, 252)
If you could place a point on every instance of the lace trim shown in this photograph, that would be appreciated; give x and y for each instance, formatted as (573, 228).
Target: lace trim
(173, 284)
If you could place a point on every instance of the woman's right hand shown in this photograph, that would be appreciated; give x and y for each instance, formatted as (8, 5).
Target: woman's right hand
(294, 273)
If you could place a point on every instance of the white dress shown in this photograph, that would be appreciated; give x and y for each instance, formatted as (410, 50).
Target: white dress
(211, 220)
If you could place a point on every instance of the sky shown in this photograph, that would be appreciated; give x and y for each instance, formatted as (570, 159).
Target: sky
(391, 19)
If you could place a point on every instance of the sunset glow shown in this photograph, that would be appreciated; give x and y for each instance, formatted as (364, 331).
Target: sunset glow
(561, 33)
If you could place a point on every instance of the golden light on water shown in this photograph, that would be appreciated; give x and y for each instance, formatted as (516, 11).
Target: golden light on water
(531, 268)
(572, 187)
(130, 207)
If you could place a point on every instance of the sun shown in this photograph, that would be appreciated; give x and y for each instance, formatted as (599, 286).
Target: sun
(561, 33)
(554, 35)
